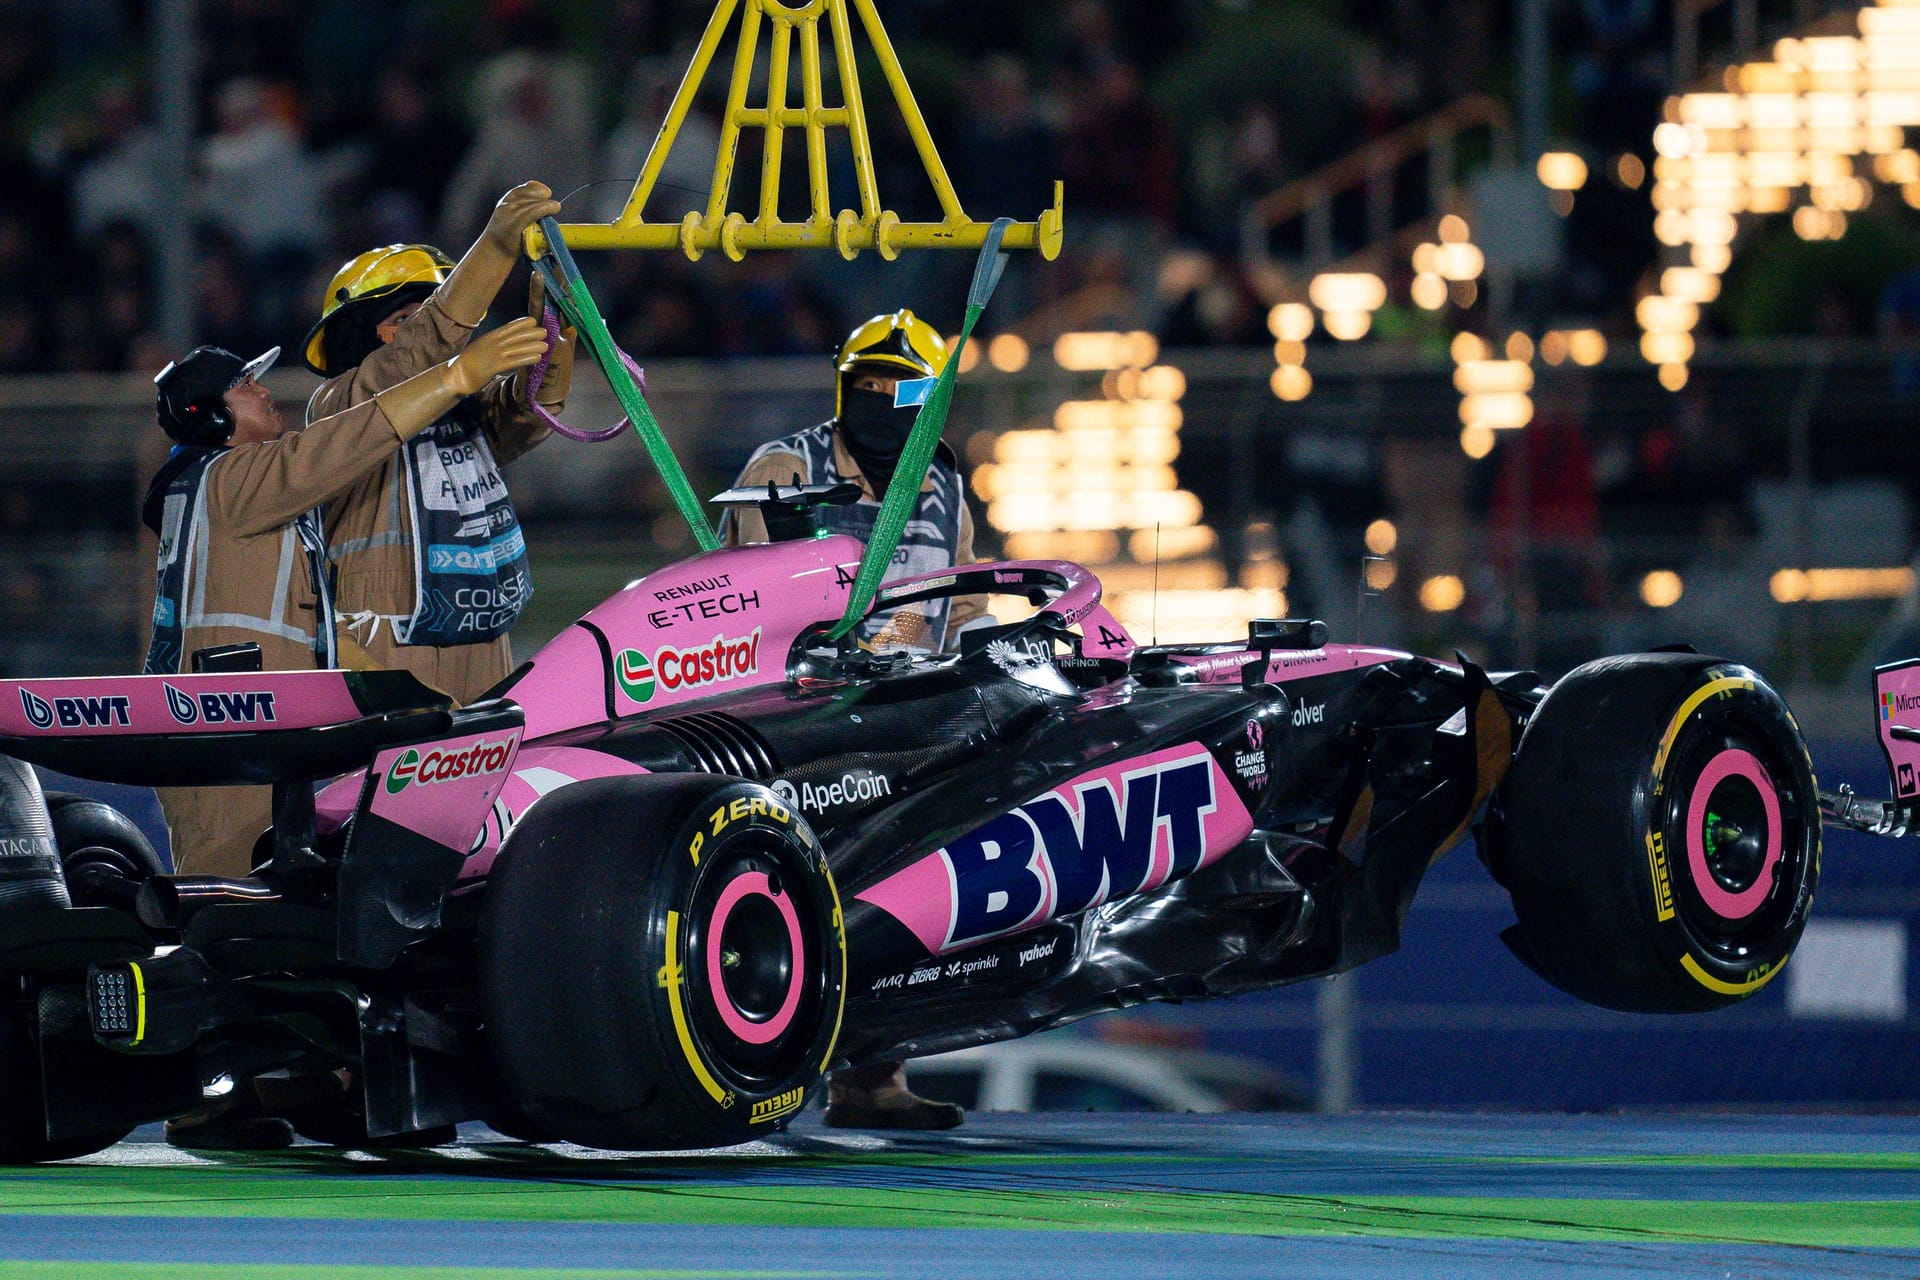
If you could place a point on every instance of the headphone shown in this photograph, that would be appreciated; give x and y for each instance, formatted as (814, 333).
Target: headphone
(205, 423)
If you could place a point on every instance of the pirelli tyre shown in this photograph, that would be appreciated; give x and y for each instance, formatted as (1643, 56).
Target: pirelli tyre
(1659, 832)
(104, 855)
(662, 963)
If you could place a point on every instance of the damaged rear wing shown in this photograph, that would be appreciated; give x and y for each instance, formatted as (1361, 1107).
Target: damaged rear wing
(1896, 711)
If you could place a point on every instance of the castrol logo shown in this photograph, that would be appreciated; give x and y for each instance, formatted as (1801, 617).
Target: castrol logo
(720, 659)
(440, 765)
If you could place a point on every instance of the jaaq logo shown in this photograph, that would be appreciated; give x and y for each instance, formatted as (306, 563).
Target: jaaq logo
(438, 765)
(721, 658)
(635, 674)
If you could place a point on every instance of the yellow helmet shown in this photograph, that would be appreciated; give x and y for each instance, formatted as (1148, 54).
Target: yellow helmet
(373, 274)
(901, 341)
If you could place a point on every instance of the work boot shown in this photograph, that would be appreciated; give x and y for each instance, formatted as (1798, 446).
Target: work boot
(877, 1097)
(236, 1122)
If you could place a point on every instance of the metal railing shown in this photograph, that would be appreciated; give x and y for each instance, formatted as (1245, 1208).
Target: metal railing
(1372, 172)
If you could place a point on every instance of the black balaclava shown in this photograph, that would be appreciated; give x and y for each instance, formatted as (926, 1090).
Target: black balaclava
(875, 432)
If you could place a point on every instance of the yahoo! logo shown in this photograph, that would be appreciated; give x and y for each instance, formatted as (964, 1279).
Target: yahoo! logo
(1102, 836)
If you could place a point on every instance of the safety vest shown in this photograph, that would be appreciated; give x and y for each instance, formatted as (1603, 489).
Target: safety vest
(929, 544)
(470, 573)
(179, 601)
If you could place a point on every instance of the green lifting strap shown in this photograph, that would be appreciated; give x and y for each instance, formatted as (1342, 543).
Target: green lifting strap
(911, 471)
(569, 293)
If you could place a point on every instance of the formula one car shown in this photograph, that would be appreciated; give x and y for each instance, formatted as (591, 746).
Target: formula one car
(694, 853)
(1896, 695)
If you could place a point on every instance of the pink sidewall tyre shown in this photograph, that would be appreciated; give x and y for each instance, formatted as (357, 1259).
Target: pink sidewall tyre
(1659, 832)
(662, 963)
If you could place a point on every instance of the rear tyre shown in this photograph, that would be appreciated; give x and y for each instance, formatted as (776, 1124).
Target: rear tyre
(103, 854)
(662, 963)
(1659, 833)
(23, 1103)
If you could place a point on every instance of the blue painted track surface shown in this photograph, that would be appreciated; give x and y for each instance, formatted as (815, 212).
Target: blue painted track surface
(1353, 1198)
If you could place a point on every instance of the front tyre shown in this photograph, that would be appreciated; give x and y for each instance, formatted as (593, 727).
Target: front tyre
(1660, 834)
(662, 962)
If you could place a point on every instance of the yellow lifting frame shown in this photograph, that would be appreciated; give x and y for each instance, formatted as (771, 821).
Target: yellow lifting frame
(872, 227)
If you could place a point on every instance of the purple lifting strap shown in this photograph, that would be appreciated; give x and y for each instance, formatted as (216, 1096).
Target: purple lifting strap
(538, 375)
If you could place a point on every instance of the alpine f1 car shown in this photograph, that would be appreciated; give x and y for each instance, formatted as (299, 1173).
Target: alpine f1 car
(694, 853)
(1896, 707)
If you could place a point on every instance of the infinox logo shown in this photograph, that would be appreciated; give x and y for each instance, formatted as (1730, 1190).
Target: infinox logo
(439, 764)
(1097, 838)
(721, 658)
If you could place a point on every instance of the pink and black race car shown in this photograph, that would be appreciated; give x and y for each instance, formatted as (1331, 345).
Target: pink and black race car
(695, 854)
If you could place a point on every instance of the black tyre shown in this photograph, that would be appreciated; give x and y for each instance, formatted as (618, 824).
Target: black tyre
(23, 1119)
(104, 856)
(1660, 834)
(662, 963)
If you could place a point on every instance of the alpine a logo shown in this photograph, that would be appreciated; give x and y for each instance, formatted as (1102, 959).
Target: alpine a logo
(862, 787)
(437, 765)
(719, 659)
(76, 713)
(219, 708)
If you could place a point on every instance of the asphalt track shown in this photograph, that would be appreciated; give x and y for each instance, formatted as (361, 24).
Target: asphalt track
(1059, 1197)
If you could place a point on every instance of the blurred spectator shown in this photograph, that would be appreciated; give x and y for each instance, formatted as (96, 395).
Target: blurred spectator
(411, 155)
(1546, 524)
(661, 311)
(255, 38)
(120, 178)
(533, 123)
(223, 299)
(1004, 163)
(1117, 156)
(20, 340)
(1725, 609)
(688, 172)
(261, 185)
(262, 188)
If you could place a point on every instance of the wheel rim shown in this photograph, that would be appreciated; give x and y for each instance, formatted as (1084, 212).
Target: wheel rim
(90, 874)
(1733, 834)
(752, 973)
(1740, 826)
(758, 1001)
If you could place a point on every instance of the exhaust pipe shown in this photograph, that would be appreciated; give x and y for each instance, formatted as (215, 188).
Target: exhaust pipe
(168, 902)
